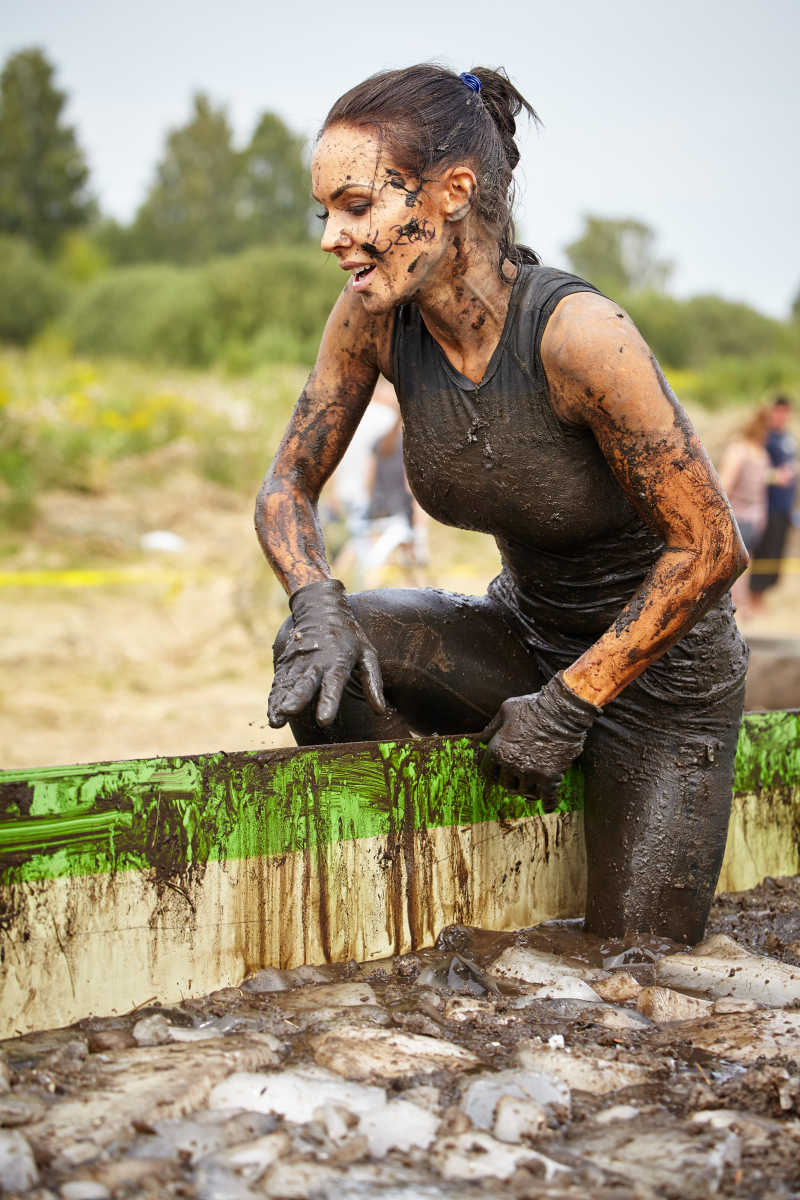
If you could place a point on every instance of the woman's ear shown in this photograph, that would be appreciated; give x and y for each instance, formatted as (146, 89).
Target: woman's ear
(460, 190)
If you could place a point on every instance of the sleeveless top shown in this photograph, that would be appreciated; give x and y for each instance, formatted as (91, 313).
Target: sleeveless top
(495, 457)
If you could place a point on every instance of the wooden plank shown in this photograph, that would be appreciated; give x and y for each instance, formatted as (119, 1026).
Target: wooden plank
(170, 877)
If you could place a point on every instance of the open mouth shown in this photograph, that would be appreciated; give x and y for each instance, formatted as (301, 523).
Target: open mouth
(362, 274)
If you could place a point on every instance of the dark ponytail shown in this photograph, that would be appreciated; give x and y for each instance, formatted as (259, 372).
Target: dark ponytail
(428, 117)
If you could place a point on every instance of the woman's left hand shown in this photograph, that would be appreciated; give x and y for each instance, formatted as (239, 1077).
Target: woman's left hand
(535, 738)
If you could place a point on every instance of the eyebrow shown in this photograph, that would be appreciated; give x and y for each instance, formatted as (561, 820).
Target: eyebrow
(346, 188)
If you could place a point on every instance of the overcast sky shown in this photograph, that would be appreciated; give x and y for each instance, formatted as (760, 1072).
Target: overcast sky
(683, 114)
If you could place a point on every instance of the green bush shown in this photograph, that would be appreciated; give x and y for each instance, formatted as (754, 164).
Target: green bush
(31, 293)
(264, 305)
(691, 333)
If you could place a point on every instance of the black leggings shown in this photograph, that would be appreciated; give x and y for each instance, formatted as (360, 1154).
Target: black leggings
(658, 772)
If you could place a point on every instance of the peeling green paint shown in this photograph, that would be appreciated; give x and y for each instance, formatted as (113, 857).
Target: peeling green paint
(768, 754)
(169, 815)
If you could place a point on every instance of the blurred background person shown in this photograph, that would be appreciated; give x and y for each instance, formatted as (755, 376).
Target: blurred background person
(382, 523)
(768, 552)
(743, 473)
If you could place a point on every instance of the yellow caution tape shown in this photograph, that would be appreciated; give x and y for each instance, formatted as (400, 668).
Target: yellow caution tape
(101, 577)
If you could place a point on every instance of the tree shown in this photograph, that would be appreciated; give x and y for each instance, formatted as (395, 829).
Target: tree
(43, 174)
(618, 256)
(209, 198)
(191, 211)
(275, 194)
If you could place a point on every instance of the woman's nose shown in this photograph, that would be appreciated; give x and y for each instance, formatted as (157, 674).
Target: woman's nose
(334, 234)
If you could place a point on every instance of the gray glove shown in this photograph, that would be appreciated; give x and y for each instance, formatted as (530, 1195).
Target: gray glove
(325, 646)
(534, 738)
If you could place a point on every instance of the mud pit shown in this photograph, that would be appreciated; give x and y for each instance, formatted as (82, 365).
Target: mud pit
(541, 1063)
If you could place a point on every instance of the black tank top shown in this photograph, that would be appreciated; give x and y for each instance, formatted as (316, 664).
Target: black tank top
(495, 457)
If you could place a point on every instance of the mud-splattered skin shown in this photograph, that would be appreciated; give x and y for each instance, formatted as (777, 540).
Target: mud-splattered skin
(616, 538)
(414, 233)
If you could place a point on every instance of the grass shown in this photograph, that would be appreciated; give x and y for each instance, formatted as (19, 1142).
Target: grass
(69, 423)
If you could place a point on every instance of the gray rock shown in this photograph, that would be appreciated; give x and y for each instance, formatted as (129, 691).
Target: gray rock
(327, 995)
(84, 1189)
(477, 1155)
(20, 1108)
(399, 1125)
(152, 1031)
(251, 1159)
(17, 1165)
(362, 1052)
(294, 1094)
(583, 1072)
(537, 966)
(480, 1096)
(657, 1158)
(720, 967)
(516, 1119)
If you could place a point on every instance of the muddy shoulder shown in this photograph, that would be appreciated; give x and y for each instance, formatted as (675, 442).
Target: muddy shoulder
(538, 1063)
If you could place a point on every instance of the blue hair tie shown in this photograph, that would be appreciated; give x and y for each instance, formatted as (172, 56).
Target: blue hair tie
(472, 81)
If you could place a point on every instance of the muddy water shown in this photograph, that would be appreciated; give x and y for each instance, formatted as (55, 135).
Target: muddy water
(541, 1063)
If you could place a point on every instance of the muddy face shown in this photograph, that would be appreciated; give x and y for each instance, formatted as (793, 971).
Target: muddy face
(388, 231)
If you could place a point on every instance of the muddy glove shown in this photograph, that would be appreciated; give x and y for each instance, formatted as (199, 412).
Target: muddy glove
(535, 738)
(324, 647)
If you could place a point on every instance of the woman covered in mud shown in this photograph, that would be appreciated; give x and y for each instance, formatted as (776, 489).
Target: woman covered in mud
(533, 411)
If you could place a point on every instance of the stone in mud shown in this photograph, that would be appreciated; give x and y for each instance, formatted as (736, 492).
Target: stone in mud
(664, 1005)
(721, 967)
(480, 1097)
(130, 1085)
(252, 1159)
(399, 1125)
(617, 1112)
(362, 1052)
(84, 1189)
(612, 1017)
(5, 1076)
(215, 1182)
(458, 974)
(270, 979)
(110, 1039)
(425, 1096)
(190, 1139)
(18, 1170)
(327, 995)
(660, 1159)
(745, 1037)
(367, 1014)
(580, 1071)
(477, 1155)
(294, 1094)
(466, 1008)
(537, 966)
(619, 987)
(516, 1119)
(567, 988)
(20, 1108)
(152, 1031)
(730, 1005)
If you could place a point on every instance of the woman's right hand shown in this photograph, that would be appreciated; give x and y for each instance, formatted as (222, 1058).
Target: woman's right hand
(324, 648)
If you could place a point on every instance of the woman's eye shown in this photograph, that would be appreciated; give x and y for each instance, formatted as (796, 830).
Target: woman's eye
(321, 216)
(358, 210)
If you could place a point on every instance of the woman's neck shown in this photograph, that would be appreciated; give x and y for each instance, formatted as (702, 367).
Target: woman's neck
(464, 305)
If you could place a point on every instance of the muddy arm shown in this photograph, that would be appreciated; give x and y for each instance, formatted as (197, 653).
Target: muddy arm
(322, 424)
(602, 375)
